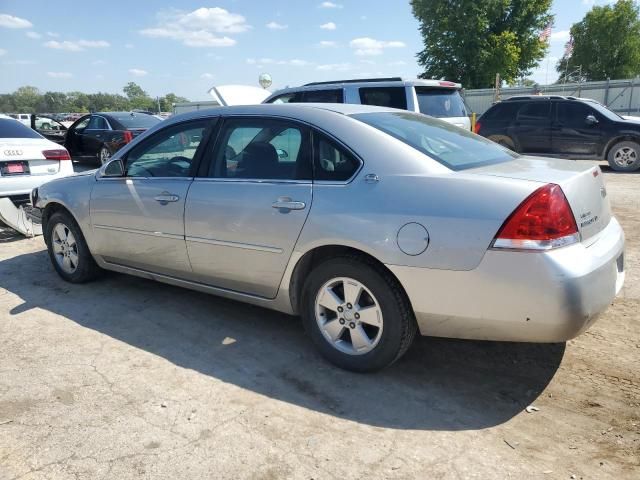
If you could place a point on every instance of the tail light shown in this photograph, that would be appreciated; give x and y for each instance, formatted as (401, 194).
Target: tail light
(542, 222)
(477, 127)
(60, 154)
(128, 136)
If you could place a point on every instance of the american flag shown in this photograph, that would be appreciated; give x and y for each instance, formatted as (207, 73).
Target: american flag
(568, 48)
(546, 33)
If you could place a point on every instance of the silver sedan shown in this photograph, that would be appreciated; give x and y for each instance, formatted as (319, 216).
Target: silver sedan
(370, 223)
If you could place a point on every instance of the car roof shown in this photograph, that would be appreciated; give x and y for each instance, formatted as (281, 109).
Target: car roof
(517, 98)
(293, 110)
(369, 82)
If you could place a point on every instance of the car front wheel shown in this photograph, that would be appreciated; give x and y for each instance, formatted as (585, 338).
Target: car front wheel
(68, 249)
(357, 314)
(624, 157)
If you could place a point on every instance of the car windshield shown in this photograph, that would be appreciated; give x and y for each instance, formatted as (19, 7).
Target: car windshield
(452, 146)
(441, 102)
(136, 120)
(14, 129)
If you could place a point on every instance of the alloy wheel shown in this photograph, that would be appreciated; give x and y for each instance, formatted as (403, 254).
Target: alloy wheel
(625, 157)
(105, 155)
(65, 248)
(349, 316)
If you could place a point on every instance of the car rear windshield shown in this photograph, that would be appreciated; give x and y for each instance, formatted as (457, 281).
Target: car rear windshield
(14, 129)
(452, 146)
(441, 102)
(136, 120)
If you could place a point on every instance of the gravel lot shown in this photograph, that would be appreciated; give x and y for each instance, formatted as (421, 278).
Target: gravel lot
(126, 378)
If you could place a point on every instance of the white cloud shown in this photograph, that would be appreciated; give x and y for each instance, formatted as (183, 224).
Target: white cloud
(137, 72)
(2, 52)
(78, 46)
(276, 26)
(397, 63)
(128, 45)
(34, 35)
(328, 26)
(327, 43)
(98, 62)
(561, 36)
(329, 5)
(59, 74)
(207, 76)
(9, 21)
(369, 46)
(53, 34)
(199, 28)
(334, 67)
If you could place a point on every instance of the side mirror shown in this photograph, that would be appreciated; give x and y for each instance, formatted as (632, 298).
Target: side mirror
(591, 120)
(115, 168)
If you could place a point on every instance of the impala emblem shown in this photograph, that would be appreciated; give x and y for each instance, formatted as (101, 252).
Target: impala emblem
(13, 153)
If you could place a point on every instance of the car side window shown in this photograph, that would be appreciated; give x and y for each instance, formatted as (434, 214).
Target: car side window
(293, 97)
(168, 153)
(574, 114)
(262, 149)
(332, 162)
(83, 124)
(97, 123)
(324, 96)
(394, 97)
(537, 111)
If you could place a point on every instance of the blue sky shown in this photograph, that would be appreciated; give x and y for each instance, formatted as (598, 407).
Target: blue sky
(186, 47)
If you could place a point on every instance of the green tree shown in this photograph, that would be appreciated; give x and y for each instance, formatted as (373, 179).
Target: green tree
(133, 90)
(166, 102)
(469, 41)
(606, 44)
(26, 99)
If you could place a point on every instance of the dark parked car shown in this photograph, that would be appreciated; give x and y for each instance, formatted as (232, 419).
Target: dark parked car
(100, 135)
(569, 127)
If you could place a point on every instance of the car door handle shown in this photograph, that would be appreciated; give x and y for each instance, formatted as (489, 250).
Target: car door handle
(286, 203)
(166, 197)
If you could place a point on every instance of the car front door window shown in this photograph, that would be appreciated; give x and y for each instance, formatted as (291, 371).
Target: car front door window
(169, 153)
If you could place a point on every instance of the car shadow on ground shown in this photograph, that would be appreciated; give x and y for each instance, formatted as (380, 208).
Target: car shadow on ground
(439, 385)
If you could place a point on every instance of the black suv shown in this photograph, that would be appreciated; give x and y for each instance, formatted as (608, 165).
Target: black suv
(570, 127)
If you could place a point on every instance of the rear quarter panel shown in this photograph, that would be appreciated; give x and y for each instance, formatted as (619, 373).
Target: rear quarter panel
(461, 212)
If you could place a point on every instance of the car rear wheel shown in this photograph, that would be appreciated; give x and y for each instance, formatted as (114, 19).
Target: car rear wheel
(104, 155)
(68, 249)
(624, 156)
(357, 314)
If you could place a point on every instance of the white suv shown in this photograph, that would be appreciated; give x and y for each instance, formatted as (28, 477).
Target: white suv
(438, 98)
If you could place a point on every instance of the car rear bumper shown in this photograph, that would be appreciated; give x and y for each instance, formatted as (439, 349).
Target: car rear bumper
(22, 185)
(520, 296)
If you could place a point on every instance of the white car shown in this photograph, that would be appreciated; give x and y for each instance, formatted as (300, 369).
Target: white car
(27, 159)
(438, 98)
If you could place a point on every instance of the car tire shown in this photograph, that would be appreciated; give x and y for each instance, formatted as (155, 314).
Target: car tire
(345, 337)
(68, 250)
(104, 155)
(624, 156)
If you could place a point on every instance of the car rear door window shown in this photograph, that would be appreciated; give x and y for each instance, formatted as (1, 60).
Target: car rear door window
(394, 97)
(168, 153)
(97, 123)
(537, 111)
(262, 149)
(332, 162)
(323, 96)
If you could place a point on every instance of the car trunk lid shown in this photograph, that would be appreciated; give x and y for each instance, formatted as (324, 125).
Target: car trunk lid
(24, 156)
(582, 183)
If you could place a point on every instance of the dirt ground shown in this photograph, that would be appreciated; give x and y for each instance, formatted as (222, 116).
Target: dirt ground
(126, 378)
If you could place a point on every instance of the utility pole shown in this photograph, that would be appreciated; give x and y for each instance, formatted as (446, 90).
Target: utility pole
(496, 97)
